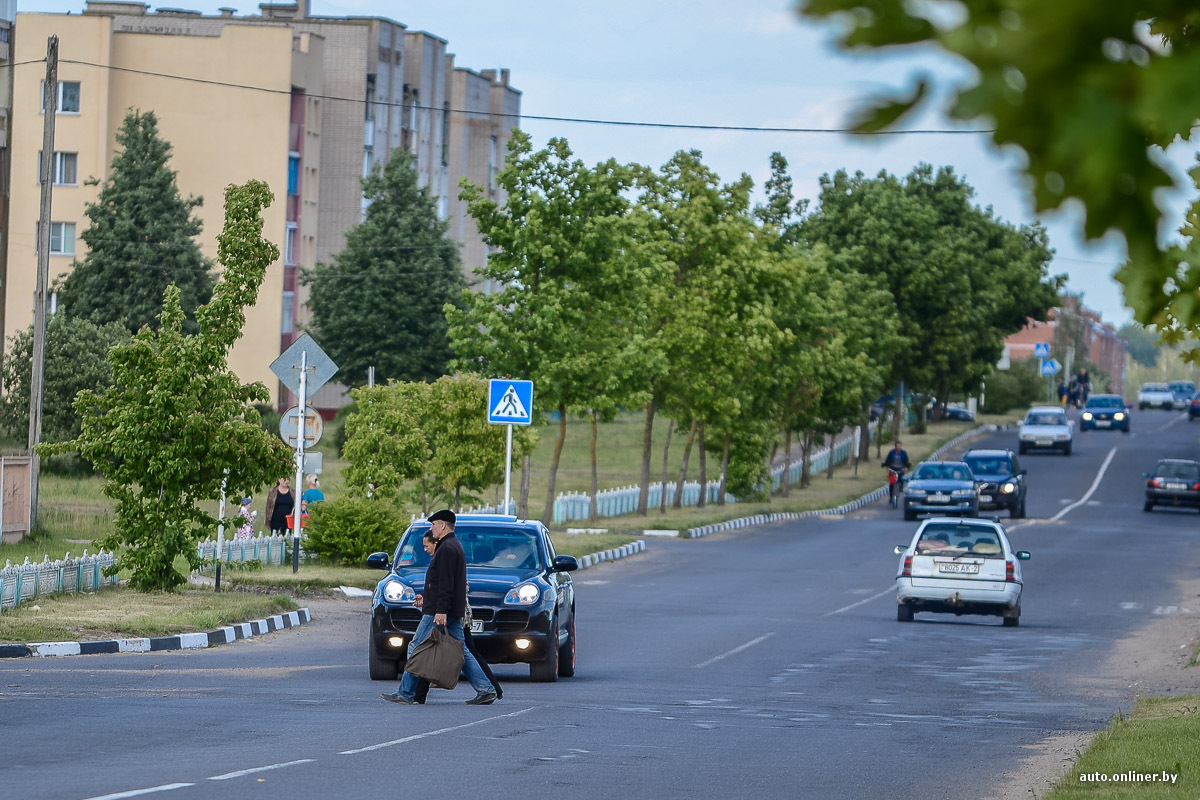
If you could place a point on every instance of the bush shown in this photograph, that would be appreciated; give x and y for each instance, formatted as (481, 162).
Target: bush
(1020, 386)
(349, 529)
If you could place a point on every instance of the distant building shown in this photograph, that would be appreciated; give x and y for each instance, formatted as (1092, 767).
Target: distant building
(308, 104)
(1073, 322)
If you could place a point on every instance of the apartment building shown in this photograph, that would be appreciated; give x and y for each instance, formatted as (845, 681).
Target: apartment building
(1073, 326)
(327, 100)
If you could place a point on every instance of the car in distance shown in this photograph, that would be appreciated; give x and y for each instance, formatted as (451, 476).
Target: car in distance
(960, 566)
(960, 414)
(1182, 392)
(999, 480)
(1105, 411)
(1046, 428)
(1194, 407)
(941, 487)
(1174, 482)
(521, 596)
(1155, 395)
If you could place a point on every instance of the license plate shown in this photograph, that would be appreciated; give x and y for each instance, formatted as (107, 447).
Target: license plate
(1044, 442)
(961, 569)
(939, 498)
(476, 626)
(1102, 423)
(985, 498)
(1178, 486)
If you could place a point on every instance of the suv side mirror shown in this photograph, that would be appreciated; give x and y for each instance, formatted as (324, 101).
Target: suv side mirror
(379, 561)
(565, 564)
(899, 549)
(1022, 555)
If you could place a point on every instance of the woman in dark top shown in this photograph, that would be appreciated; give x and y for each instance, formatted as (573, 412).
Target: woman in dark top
(280, 502)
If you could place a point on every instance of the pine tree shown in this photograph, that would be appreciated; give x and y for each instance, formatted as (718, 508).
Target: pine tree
(380, 303)
(140, 240)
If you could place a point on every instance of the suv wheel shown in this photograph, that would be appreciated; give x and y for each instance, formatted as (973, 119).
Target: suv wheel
(547, 671)
(566, 654)
(380, 668)
(1019, 511)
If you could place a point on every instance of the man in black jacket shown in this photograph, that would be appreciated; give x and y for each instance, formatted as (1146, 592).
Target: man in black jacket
(444, 602)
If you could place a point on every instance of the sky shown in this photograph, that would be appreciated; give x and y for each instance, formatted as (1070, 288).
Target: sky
(725, 62)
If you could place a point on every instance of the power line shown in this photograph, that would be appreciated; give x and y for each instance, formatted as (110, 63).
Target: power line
(538, 117)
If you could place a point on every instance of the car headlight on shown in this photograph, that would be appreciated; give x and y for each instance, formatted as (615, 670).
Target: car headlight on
(523, 594)
(1087, 415)
(395, 591)
(1118, 416)
(963, 493)
(1008, 488)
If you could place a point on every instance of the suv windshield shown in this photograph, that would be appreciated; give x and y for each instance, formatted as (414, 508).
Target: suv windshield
(957, 540)
(483, 545)
(1048, 418)
(1105, 401)
(989, 465)
(943, 472)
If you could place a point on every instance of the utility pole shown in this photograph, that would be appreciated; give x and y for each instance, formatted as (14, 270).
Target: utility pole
(37, 375)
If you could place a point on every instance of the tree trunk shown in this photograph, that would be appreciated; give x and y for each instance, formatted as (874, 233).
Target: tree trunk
(662, 498)
(806, 460)
(724, 469)
(647, 444)
(424, 500)
(832, 444)
(898, 419)
(687, 452)
(703, 471)
(523, 505)
(457, 504)
(548, 514)
(595, 479)
(787, 463)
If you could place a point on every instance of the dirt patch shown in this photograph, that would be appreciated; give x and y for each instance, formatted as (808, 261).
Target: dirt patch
(1154, 661)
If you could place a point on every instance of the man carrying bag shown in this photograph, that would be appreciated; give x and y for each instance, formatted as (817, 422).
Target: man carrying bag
(444, 601)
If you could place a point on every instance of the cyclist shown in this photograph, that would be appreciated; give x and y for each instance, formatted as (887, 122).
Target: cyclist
(897, 464)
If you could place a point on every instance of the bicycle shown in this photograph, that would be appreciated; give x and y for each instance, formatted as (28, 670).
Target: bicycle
(895, 485)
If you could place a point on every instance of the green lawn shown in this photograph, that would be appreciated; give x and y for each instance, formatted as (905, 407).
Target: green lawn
(1158, 738)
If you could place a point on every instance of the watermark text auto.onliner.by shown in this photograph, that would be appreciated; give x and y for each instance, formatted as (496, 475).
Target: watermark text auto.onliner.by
(1129, 777)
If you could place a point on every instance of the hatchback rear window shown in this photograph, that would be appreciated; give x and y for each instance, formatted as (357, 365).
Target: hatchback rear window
(959, 540)
(1175, 469)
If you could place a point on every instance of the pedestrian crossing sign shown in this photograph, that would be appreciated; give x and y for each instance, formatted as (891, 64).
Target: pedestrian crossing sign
(510, 402)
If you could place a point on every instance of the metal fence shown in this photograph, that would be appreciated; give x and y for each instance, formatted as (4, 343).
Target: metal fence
(570, 506)
(270, 549)
(24, 582)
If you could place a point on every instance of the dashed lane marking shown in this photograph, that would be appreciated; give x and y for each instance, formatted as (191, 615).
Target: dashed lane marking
(735, 650)
(887, 591)
(438, 732)
(166, 787)
(243, 772)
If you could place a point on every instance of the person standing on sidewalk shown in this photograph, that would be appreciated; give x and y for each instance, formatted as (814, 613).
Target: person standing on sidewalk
(444, 602)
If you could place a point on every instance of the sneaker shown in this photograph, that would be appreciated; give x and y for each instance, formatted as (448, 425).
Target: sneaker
(483, 699)
(396, 697)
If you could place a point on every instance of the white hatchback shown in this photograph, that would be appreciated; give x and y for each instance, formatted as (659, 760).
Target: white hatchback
(1046, 428)
(960, 566)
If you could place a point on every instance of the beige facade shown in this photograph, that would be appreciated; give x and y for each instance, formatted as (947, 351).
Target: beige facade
(219, 136)
(307, 104)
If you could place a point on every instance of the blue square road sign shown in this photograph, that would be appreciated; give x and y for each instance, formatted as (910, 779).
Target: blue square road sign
(510, 402)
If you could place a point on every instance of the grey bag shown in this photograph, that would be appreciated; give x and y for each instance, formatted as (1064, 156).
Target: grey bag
(438, 659)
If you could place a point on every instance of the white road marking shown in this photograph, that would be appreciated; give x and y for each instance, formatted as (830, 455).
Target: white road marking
(426, 735)
(252, 770)
(860, 602)
(166, 787)
(1088, 496)
(735, 650)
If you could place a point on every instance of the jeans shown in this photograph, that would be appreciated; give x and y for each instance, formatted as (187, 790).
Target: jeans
(478, 681)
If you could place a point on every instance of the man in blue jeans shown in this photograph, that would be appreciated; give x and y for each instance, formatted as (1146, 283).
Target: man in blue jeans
(444, 602)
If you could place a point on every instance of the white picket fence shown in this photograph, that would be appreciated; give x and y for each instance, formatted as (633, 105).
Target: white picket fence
(269, 549)
(570, 506)
(24, 582)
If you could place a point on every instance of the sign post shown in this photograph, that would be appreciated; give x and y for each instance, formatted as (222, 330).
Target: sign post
(292, 368)
(510, 403)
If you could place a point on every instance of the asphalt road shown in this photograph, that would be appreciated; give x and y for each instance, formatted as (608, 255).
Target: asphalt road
(766, 662)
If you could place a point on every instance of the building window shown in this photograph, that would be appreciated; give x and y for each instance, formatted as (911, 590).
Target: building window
(68, 97)
(294, 174)
(287, 322)
(65, 169)
(289, 244)
(492, 169)
(62, 238)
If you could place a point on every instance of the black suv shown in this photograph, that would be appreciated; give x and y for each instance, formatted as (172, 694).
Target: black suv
(1000, 480)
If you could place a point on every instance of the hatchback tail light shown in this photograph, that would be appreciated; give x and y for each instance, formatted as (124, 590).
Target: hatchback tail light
(1196, 487)
(1008, 572)
(907, 571)
(1155, 483)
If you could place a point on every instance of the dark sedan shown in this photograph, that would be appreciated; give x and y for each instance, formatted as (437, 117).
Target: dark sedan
(1001, 480)
(941, 487)
(1174, 482)
(521, 597)
(1105, 411)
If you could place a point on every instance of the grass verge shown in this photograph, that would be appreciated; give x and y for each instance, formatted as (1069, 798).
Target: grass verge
(1158, 738)
(125, 613)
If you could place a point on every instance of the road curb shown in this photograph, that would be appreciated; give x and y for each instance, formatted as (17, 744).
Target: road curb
(615, 554)
(853, 505)
(157, 644)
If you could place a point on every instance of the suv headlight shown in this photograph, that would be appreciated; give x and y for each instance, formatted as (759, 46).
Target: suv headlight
(523, 594)
(1087, 415)
(1008, 488)
(397, 591)
(1119, 416)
